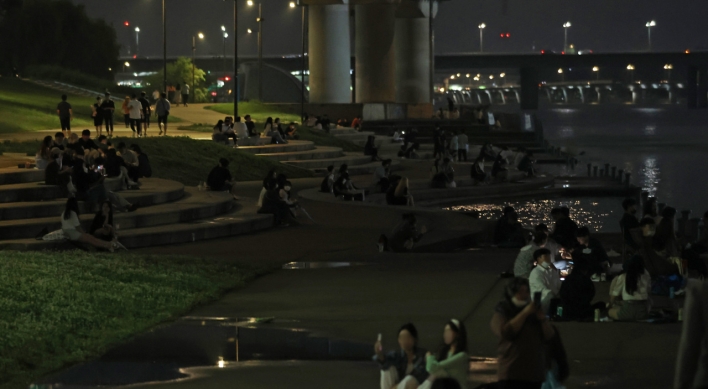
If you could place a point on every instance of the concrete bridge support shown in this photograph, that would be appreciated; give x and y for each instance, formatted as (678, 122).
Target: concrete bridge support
(692, 87)
(598, 90)
(529, 88)
(375, 55)
(412, 52)
(330, 53)
(702, 88)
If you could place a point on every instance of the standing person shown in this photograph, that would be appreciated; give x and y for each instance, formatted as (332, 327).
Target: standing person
(108, 107)
(125, 107)
(545, 278)
(629, 222)
(97, 115)
(454, 146)
(404, 368)
(147, 111)
(250, 125)
(162, 110)
(66, 115)
(522, 329)
(185, 94)
(452, 359)
(462, 145)
(136, 115)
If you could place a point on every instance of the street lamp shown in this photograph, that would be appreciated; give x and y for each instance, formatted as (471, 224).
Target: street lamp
(225, 35)
(566, 26)
(560, 71)
(630, 68)
(668, 67)
(194, 53)
(649, 25)
(292, 4)
(126, 65)
(481, 37)
(597, 71)
(260, 47)
(137, 41)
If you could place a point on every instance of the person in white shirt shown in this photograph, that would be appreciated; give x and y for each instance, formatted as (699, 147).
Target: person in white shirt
(136, 115)
(454, 145)
(629, 292)
(524, 261)
(241, 132)
(462, 146)
(71, 227)
(545, 278)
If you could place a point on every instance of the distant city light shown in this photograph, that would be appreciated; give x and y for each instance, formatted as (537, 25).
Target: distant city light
(560, 71)
(292, 4)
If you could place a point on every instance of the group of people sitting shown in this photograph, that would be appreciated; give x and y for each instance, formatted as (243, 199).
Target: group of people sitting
(246, 134)
(276, 198)
(340, 184)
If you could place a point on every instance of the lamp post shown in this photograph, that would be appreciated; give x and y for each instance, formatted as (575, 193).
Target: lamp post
(668, 67)
(649, 25)
(235, 87)
(126, 64)
(260, 47)
(560, 71)
(137, 41)
(597, 71)
(481, 37)
(223, 58)
(194, 53)
(566, 26)
(630, 68)
(164, 47)
(302, 59)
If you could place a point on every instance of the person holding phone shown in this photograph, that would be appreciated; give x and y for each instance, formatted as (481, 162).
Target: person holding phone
(545, 279)
(522, 329)
(404, 368)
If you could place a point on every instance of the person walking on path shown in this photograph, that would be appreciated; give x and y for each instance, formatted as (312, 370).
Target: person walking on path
(162, 110)
(108, 107)
(136, 112)
(66, 115)
(147, 111)
(97, 115)
(185, 94)
(126, 111)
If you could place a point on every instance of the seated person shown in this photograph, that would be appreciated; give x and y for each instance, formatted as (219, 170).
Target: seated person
(103, 144)
(241, 131)
(220, 180)
(371, 149)
(665, 241)
(590, 251)
(227, 128)
(397, 136)
(56, 173)
(130, 160)
(60, 141)
(291, 132)
(42, 157)
(327, 185)
(90, 187)
(216, 134)
(487, 152)
(275, 136)
(406, 234)
(73, 142)
(404, 367)
(524, 260)
(274, 202)
(86, 142)
(102, 226)
(552, 245)
(452, 360)
(545, 278)
(629, 292)
(526, 164)
(409, 152)
(445, 178)
(509, 233)
(344, 187)
(629, 222)
(398, 192)
(115, 166)
(381, 175)
(71, 226)
(144, 167)
(565, 228)
(655, 263)
(500, 168)
(577, 293)
(477, 172)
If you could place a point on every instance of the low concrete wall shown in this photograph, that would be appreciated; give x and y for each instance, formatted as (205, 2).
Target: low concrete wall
(333, 111)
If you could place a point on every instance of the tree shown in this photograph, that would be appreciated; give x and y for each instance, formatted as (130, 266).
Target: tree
(57, 33)
(180, 72)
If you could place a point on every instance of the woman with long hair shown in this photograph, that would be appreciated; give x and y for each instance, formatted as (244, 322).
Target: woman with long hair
(269, 183)
(102, 226)
(71, 226)
(268, 127)
(629, 292)
(44, 154)
(452, 359)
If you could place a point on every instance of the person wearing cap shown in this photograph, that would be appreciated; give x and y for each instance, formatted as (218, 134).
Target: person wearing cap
(147, 111)
(107, 108)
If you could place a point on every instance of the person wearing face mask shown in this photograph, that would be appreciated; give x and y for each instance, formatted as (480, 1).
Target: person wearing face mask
(524, 261)
(404, 368)
(545, 278)
(628, 222)
(522, 329)
(452, 359)
(656, 264)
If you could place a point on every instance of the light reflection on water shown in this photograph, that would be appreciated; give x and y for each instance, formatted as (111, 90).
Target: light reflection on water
(598, 214)
(650, 176)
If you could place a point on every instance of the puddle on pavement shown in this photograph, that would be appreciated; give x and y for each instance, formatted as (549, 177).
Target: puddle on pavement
(319, 265)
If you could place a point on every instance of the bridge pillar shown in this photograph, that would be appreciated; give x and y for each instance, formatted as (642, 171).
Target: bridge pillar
(599, 94)
(412, 53)
(529, 88)
(692, 87)
(702, 88)
(329, 53)
(581, 90)
(565, 94)
(375, 58)
(503, 97)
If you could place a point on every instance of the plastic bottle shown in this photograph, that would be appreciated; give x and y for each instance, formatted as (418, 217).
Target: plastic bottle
(597, 315)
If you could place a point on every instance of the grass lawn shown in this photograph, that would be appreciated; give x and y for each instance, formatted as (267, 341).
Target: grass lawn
(25, 106)
(62, 308)
(187, 160)
(259, 112)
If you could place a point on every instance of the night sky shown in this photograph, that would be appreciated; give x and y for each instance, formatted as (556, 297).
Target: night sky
(600, 25)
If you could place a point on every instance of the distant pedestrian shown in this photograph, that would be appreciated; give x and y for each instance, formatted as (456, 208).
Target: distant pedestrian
(66, 115)
(108, 107)
(146, 111)
(462, 146)
(126, 111)
(97, 115)
(136, 112)
(185, 94)
(162, 110)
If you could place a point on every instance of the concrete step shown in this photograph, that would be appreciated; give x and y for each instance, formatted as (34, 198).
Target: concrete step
(351, 159)
(363, 169)
(38, 191)
(194, 205)
(291, 146)
(15, 175)
(234, 223)
(153, 191)
(343, 130)
(296, 156)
